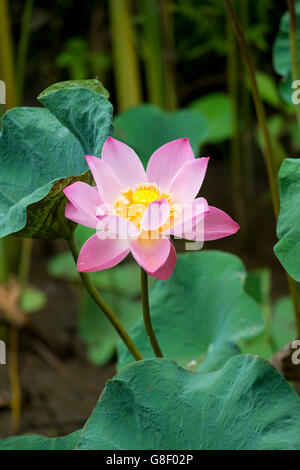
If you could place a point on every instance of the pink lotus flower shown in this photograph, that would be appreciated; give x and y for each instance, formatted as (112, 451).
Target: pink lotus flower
(137, 210)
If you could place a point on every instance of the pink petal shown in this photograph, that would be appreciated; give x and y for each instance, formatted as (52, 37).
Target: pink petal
(165, 271)
(156, 215)
(187, 182)
(79, 216)
(108, 185)
(167, 160)
(188, 216)
(216, 224)
(96, 254)
(125, 163)
(116, 227)
(85, 203)
(151, 254)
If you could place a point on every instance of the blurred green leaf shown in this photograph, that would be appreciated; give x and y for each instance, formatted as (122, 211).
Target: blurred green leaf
(283, 323)
(146, 127)
(218, 111)
(80, 60)
(258, 283)
(33, 300)
(267, 89)
(201, 313)
(282, 55)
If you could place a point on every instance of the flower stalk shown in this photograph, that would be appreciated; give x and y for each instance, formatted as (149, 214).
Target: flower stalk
(146, 314)
(110, 315)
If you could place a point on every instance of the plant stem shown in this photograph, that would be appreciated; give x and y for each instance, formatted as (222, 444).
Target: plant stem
(170, 89)
(4, 260)
(262, 121)
(294, 49)
(235, 147)
(147, 317)
(7, 56)
(23, 46)
(152, 47)
(259, 108)
(111, 316)
(24, 263)
(15, 401)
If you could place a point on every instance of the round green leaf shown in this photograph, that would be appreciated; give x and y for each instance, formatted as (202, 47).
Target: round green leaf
(200, 313)
(42, 151)
(156, 404)
(147, 127)
(33, 442)
(282, 53)
(218, 111)
(287, 249)
(33, 300)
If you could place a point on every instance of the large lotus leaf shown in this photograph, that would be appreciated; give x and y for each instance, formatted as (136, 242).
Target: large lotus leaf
(147, 127)
(218, 111)
(287, 249)
(34, 442)
(201, 313)
(156, 404)
(42, 151)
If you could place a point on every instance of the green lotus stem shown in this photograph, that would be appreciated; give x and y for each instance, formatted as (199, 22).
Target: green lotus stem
(110, 315)
(125, 62)
(7, 56)
(23, 46)
(294, 49)
(262, 121)
(153, 51)
(146, 314)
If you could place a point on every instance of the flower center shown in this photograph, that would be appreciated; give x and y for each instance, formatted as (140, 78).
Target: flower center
(132, 204)
(144, 196)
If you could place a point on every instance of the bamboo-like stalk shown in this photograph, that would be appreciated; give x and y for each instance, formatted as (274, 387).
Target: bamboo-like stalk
(22, 49)
(15, 402)
(152, 47)
(236, 144)
(7, 68)
(125, 62)
(247, 141)
(170, 90)
(262, 121)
